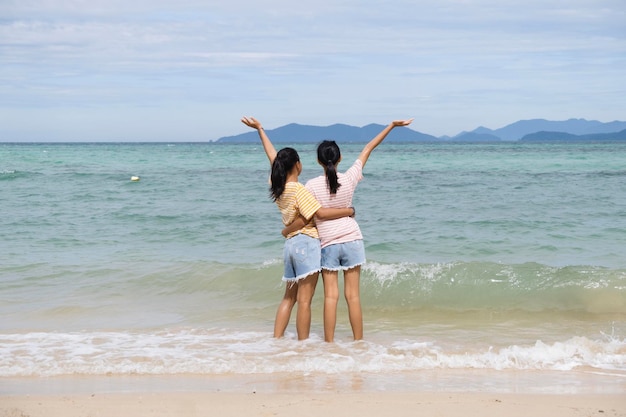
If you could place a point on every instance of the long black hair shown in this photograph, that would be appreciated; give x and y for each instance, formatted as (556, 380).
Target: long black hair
(284, 162)
(328, 155)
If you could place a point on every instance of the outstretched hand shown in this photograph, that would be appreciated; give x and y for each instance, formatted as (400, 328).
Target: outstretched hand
(270, 151)
(252, 122)
(402, 122)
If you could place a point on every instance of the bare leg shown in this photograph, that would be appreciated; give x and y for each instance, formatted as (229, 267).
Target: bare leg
(331, 296)
(306, 290)
(284, 309)
(353, 298)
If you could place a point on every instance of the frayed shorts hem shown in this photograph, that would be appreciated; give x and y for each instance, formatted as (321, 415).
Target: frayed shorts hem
(301, 276)
(343, 256)
(343, 268)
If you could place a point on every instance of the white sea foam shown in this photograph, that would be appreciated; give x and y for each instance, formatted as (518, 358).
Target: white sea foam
(215, 352)
(385, 273)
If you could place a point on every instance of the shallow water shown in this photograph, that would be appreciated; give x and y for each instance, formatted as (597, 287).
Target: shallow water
(481, 256)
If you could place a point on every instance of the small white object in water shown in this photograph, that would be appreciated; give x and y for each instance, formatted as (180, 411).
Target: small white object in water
(134, 178)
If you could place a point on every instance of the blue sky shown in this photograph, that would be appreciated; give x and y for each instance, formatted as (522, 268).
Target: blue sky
(187, 70)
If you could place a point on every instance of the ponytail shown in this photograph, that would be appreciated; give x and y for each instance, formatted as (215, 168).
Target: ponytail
(283, 163)
(331, 177)
(328, 155)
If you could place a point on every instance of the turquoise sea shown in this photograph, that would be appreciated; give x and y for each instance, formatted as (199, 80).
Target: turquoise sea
(503, 257)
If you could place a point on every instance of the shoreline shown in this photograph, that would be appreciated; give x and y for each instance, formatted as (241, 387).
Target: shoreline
(576, 382)
(399, 404)
(452, 393)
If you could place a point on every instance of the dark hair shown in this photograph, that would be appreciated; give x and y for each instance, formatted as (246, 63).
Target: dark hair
(284, 162)
(328, 155)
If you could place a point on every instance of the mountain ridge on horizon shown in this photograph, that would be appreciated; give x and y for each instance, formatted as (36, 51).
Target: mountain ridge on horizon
(566, 130)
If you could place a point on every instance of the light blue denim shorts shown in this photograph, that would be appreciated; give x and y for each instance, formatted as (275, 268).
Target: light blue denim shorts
(302, 257)
(342, 256)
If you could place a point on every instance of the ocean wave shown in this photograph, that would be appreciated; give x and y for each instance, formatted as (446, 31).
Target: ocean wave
(487, 285)
(11, 174)
(456, 286)
(218, 352)
(192, 290)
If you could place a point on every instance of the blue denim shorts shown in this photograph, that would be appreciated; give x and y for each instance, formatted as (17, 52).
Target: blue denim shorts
(342, 256)
(302, 257)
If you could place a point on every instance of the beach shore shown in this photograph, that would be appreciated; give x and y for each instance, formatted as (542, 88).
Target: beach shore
(399, 404)
(430, 393)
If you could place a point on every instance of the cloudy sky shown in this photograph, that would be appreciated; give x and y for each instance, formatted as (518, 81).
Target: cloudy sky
(187, 70)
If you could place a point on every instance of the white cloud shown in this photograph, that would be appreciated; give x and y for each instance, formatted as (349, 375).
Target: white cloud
(452, 64)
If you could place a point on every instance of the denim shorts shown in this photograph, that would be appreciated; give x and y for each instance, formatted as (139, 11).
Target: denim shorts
(302, 257)
(342, 256)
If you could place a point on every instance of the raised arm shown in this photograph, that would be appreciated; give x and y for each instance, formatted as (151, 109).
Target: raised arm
(372, 144)
(270, 151)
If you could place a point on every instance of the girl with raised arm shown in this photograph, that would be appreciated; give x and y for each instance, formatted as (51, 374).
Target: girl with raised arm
(302, 248)
(341, 239)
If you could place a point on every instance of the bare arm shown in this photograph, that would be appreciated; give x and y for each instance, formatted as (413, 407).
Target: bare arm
(322, 213)
(270, 151)
(297, 224)
(372, 144)
(334, 213)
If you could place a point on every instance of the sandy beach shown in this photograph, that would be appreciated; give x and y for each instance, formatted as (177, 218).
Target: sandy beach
(485, 394)
(398, 404)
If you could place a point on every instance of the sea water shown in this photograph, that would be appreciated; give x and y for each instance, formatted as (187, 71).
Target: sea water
(492, 257)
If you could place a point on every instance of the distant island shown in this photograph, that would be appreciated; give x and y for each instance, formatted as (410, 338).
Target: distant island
(536, 130)
(568, 137)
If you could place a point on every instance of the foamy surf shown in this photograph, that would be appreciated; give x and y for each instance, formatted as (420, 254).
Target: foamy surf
(220, 352)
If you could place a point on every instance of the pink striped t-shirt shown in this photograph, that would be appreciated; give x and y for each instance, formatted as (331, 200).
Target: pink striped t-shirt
(344, 229)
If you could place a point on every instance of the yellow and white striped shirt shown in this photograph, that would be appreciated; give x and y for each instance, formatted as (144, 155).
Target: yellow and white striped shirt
(296, 200)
